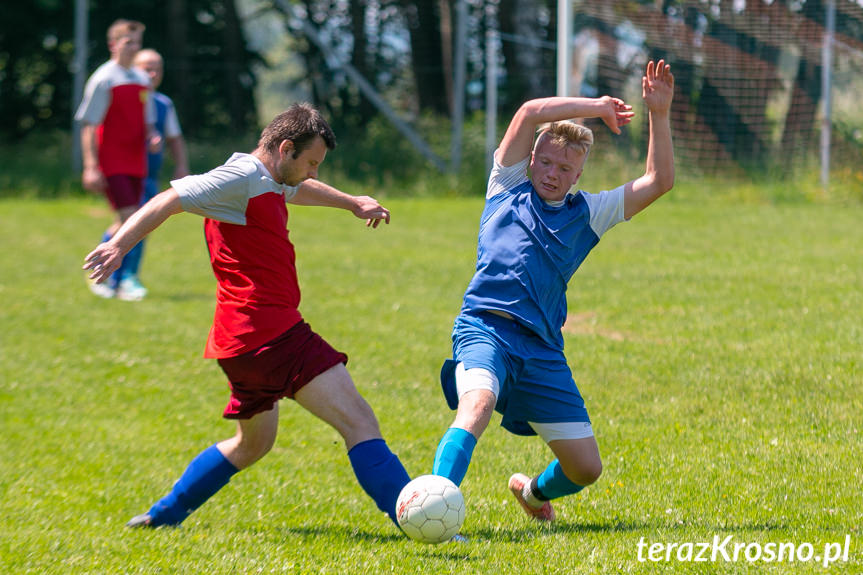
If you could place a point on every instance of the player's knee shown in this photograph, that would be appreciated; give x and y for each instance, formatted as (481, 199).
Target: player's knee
(252, 448)
(475, 409)
(478, 405)
(584, 473)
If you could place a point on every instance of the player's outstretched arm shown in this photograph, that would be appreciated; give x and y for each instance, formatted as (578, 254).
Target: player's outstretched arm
(108, 256)
(518, 140)
(657, 88)
(316, 193)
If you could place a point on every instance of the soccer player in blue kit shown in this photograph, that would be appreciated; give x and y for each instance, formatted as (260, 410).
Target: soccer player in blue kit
(534, 233)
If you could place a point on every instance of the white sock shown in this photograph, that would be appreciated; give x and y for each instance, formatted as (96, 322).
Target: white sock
(530, 498)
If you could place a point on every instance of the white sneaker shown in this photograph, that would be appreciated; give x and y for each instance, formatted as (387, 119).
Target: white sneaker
(520, 482)
(130, 289)
(102, 290)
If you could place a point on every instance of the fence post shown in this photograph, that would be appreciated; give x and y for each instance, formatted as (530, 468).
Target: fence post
(564, 54)
(827, 91)
(458, 85)
(490, 98)
(79, 69)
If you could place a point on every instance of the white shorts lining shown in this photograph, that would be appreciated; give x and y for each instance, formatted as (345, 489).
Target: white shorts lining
(562, 430)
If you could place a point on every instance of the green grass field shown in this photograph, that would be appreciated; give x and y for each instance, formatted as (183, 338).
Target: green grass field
(719, 348)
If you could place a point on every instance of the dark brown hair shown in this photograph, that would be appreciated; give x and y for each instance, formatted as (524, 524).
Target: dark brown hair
(300, 124)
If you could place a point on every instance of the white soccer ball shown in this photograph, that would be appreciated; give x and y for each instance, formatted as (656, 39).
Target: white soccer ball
(430, 509)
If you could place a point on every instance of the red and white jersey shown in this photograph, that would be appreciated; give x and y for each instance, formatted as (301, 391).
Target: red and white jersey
(116, 99)
(258, 294)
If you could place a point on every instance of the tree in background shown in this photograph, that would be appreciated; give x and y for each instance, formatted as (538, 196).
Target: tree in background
(748, 74)
(35, 54)
(208, 68)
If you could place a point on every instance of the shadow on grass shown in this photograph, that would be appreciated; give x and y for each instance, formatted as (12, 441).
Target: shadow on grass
(340, 532)
(518, 534)
(448, 551)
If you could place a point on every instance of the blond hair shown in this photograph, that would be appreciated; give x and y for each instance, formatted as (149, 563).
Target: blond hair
(568, 134)
(122, 27)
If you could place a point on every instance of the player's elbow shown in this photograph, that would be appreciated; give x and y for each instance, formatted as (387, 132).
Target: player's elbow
(665, 181)
(659, 181)
(532, 109)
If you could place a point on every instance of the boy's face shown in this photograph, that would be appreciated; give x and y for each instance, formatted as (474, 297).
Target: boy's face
(292, 171)
(124, 46)
(554, 169)
(152, 65)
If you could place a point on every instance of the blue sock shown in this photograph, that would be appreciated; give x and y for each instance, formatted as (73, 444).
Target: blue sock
(116, 276)
(552, 483)
(453, 454)
(132, 261)
(130, 264)
(380, 473)
(206, 474)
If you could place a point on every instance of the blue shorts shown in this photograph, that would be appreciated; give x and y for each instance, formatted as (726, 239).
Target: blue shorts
(536, 383)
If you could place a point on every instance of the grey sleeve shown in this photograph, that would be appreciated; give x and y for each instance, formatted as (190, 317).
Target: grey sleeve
(221, 194)
(94, 105)
(606, 209)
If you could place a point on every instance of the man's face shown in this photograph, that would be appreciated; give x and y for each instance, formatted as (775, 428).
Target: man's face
(554, 169)
(125, 46)
(292, 171)
(152, 65)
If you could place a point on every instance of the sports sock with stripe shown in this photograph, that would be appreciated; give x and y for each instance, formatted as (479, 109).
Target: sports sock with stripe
(553, 483)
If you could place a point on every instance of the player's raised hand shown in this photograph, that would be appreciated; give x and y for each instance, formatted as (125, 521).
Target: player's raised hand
(657, 86)
(370, 209)
(615, 113)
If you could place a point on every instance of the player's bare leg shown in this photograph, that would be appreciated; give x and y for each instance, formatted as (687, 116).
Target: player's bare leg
(474, 413)
(254, 438)
(455, 448)
(578, 465)
(333, 397)
(212, 469)
(579, 459)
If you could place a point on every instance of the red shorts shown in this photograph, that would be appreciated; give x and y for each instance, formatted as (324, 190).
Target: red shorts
(124, 191)
(277, 369)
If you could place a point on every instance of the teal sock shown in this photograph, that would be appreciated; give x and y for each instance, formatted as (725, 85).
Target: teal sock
(553, 483)
(453, 454)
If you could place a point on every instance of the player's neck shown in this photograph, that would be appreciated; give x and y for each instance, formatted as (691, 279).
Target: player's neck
(269, 162)
(122, 61)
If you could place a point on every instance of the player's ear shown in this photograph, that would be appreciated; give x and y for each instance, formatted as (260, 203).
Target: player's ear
(286, 148)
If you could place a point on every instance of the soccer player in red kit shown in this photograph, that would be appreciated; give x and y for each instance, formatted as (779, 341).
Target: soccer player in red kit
(117, 122)
(258, 336)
